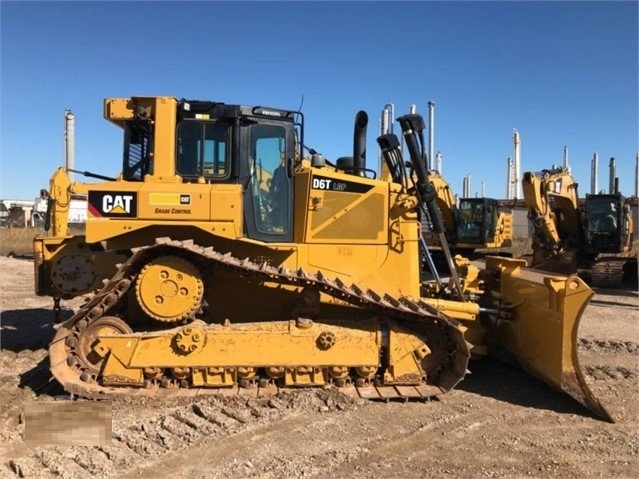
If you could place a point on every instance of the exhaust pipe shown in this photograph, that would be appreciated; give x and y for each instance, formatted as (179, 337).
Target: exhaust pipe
(611, 178)
(594, 178)
(359, 143)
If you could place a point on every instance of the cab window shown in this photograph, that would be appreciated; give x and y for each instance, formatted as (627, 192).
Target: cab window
(138, 148)
(202, 150)
(603, 216)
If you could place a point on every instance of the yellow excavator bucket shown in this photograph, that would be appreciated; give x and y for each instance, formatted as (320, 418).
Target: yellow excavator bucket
(538, 325)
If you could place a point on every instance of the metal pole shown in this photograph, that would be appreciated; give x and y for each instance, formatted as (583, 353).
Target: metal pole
(69, 142)
(466, 186)
(611, 179)
(431, 135)
(517, 160)
(509, 179)
(385, 127)
(594, 175)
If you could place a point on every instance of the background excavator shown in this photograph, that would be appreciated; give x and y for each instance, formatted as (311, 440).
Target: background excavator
(222, 260)
(593, 237)
(474, 228)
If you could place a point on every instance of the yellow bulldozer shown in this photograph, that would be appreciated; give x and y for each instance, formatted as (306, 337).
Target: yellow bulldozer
(223, 260)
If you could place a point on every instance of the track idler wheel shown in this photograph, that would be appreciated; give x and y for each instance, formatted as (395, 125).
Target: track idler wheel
(106, 325)
(169, 289)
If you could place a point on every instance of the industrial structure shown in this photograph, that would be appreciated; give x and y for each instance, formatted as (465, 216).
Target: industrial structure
(21, 213)
(69, 142)
(594, 174)
(513, 172)
(27, 213)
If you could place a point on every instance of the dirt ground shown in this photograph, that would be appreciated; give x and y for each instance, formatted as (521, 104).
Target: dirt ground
(498, 423)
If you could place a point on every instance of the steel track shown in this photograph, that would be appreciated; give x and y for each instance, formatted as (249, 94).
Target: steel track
(70, 371)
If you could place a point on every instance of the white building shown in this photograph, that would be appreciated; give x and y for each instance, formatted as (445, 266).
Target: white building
(25, 213)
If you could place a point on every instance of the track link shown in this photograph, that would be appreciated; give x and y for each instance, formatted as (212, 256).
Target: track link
(611, 271)
(76, 379)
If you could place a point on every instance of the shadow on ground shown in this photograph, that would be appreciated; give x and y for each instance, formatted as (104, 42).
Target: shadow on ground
(511, 384)
(40, 380)
(629, 290)
(32, 330)
(22, 329)
(615, 304)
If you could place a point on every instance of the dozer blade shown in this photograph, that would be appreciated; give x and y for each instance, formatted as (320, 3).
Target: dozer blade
(538, 325)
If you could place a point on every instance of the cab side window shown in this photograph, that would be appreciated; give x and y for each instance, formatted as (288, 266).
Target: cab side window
(138, 149)
(202, 150)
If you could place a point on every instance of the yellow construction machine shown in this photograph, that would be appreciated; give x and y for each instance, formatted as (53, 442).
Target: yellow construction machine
(473, 228)
(221, 260)
(591, 237)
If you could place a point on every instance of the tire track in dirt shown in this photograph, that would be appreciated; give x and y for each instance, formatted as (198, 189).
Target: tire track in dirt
(374, 456)
(610, 372)
(157, 430)
(601, 359)
(138, 443)
(328, 429)
(608, 346)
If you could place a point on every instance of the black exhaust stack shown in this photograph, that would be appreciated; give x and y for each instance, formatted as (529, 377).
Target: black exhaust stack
(359, 143)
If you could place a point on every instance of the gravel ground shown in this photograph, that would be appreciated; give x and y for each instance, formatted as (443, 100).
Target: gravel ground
(499, 422)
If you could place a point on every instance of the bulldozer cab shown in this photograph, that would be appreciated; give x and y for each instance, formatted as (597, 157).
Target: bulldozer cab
(605, 219)
(215, 144)
(477, 220)
(252, 146)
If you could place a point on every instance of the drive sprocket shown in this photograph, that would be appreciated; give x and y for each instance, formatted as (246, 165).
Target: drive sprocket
(169, 289)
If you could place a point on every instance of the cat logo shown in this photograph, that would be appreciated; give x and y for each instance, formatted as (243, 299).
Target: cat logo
(112, 204)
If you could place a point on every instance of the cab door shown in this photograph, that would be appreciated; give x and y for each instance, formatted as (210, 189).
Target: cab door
(268, 196)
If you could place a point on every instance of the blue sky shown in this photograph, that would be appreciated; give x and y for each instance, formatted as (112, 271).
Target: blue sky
(561, 73)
